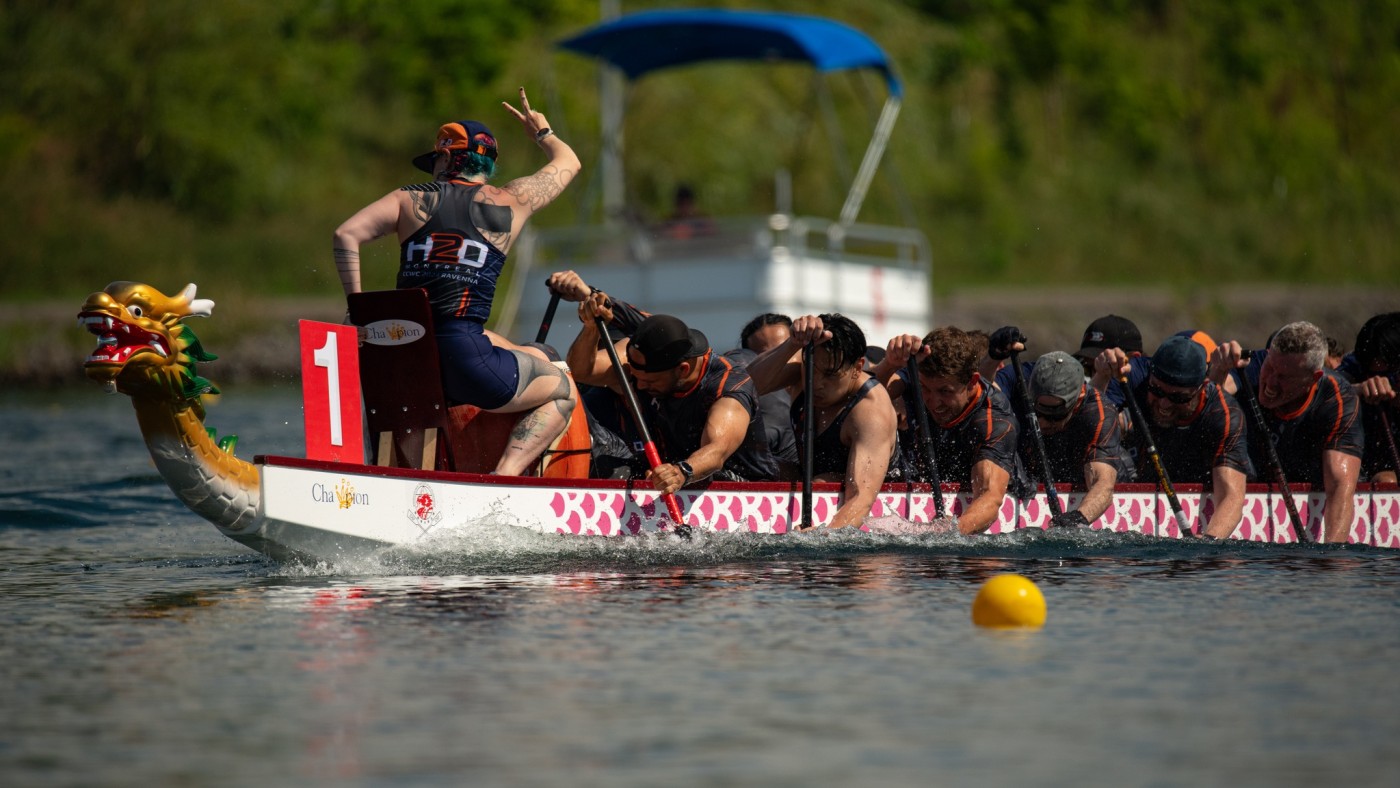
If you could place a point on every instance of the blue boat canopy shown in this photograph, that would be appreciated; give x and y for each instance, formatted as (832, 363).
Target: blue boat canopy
(651, 40)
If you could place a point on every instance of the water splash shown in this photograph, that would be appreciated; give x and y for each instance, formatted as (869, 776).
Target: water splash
(495, 546)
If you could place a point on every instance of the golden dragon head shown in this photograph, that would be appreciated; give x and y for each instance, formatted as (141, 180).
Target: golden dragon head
(142, 347)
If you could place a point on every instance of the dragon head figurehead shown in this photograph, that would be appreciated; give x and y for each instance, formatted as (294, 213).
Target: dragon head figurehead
(145, 351)
(143, 348)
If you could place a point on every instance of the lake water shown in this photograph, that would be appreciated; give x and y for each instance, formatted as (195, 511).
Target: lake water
(140, 647)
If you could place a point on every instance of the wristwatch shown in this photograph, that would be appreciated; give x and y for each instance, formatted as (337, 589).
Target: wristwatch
(687, 470)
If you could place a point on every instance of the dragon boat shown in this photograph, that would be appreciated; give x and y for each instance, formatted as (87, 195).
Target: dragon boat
(333, 505)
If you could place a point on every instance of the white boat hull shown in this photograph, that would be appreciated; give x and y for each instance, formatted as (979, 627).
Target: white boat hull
(326, 511)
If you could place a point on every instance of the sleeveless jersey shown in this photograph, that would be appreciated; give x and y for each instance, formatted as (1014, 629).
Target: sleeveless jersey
(450, 258)
(829, 454)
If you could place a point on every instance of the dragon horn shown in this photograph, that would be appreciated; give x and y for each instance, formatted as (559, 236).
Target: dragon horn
(203, 307)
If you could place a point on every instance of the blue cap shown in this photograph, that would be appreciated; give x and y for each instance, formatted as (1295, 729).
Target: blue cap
(1180, 361)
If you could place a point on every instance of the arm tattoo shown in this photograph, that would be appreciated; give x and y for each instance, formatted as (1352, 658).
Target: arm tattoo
(538, 190)
(347, 265)
(425, 204)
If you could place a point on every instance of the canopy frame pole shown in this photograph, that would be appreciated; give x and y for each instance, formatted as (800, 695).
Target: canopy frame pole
(873, 153)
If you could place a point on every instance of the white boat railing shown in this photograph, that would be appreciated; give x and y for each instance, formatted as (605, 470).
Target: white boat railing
(753, 240)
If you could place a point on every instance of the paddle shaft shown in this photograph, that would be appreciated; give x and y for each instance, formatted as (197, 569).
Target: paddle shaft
(915, 402)
(1271, 452)
(1389, 437)
(653, 456)
(1051, 497)
(549, 318)
(809, 434)
(1163, 480)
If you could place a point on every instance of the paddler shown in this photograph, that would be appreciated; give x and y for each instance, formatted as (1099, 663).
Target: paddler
(703, 405)
(1310, 417)
(972, 426)
(1199, 430)
(855, 422)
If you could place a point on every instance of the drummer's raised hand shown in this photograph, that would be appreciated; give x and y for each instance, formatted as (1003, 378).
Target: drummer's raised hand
(533, 121)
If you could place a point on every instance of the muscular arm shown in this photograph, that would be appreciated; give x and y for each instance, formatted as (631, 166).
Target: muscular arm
(587, 363)
(726, 425)
(370, 223)
(524, 196)
(1339, 474)
(776, 368)
(1227, 490)
(989, 482)
(869, 432)
(1099, 478)
(725, 428)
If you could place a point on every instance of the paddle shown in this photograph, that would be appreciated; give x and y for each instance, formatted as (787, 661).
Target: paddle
(1163, 480)
(653, 456)
(1389, 437)
(549, 318)
(916, 403)
(1271, 452)
(1051, 497)
(809, 433)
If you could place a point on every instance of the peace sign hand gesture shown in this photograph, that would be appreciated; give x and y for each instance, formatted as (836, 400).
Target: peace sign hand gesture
(534, 122)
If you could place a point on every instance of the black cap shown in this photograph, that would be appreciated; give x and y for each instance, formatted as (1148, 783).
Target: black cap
(664, 342)
(1110, 331)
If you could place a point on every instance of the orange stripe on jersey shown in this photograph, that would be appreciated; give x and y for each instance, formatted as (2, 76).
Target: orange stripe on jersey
(1098, 430)
(1341, 410)
(464, 302)
(704, 368)
(1224, 436)
(971, 404)
(1312, 392)
(728, 368)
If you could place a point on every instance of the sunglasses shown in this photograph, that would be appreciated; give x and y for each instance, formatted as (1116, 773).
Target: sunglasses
(1178, 397)
(1055, 412)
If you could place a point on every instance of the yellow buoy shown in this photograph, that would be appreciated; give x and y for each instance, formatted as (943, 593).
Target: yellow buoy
(1009, 601)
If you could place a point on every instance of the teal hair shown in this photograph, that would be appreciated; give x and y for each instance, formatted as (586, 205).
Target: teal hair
(471, 163)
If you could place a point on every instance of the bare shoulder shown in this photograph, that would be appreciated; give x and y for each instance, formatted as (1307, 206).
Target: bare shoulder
(874, 411)
(877, 403)
(495, 195)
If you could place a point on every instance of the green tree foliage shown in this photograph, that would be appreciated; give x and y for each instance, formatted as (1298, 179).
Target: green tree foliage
(1243, 140)
(1041, 140)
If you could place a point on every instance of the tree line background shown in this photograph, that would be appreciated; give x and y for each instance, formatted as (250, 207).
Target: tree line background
(1042, 141)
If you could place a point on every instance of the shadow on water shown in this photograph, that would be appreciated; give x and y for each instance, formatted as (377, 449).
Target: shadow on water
(485, 571)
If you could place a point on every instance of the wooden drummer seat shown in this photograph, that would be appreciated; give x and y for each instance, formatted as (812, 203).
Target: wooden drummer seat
(401, 379)
(409, 421)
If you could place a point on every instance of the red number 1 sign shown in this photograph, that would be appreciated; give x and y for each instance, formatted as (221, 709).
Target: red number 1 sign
(330, 392)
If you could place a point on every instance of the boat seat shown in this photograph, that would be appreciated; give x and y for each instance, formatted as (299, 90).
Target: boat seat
(401, 379)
